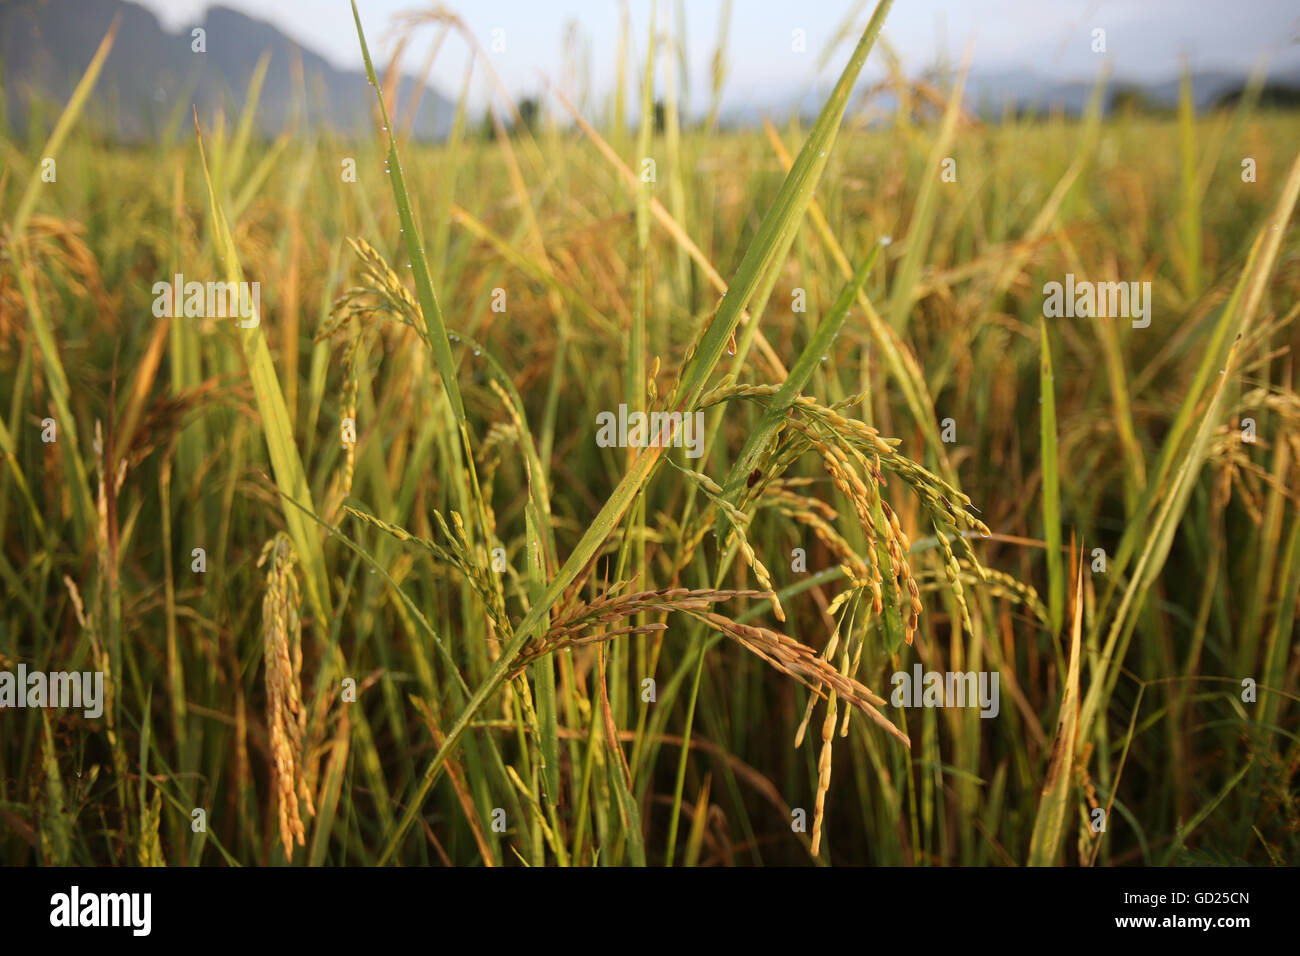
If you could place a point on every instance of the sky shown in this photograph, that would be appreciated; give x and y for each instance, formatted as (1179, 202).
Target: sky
(1051, 38)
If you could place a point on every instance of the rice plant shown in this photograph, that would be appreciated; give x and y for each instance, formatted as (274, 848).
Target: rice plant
(365, 588)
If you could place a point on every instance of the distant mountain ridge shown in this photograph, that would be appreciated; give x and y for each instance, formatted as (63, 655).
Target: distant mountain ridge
(1026, 89)
(46, 44)
(989, 92)
(152, 75)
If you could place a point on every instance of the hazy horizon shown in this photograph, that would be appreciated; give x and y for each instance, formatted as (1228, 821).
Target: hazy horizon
(1051, 40)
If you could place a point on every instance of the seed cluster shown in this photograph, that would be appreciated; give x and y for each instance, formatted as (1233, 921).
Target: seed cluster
(286, 716)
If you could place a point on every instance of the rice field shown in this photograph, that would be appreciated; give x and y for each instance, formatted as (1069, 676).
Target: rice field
(380, 566)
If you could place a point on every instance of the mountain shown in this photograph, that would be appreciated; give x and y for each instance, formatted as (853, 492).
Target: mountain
(150, 73)
(987, 93)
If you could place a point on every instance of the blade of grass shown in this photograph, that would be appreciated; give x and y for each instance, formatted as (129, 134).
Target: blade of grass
(57, 379)
(917, 243)
(1051, 481)
(1202, 814)
(772, 241)
(286, 464)
(1190, 207)
(1045, 841)
(435, 330)
(1159, 533)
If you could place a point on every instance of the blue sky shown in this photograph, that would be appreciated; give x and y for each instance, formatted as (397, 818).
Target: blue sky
(1145, 38)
